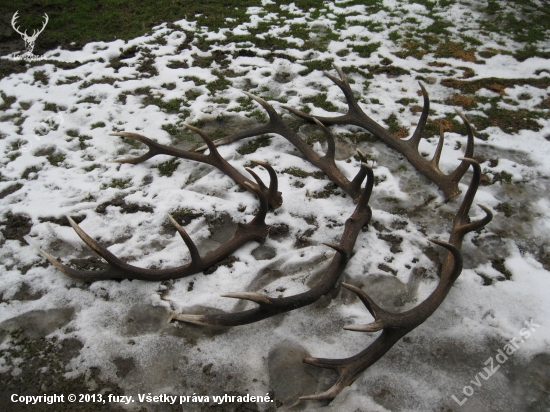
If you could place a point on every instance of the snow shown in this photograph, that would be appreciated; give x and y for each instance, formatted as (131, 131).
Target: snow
(170, 358)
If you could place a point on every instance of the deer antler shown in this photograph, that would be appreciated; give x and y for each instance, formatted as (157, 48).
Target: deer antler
(256, 230)
(214, 158)
(396, 325)
(268, 307)
(355, 115)
(326, 163)
(409, 148)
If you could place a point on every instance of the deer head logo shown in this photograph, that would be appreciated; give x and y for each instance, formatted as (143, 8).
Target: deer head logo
(29, 40)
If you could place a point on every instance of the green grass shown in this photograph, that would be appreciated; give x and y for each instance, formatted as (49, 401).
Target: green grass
(84, 21)
(252, 146)
(168, 168)
(297, 172)
(96, 125)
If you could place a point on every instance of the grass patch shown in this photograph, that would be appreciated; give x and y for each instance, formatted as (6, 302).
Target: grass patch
(450, 49)
(168, 168)
(103, 80)
(56, 158)
(297, 172)
(494, 84)
(329, 190)
(252, 146)
(221, 83)
(41, 76)
(364, 50)
(322, 65)
(87, 99)
(92, 167)
(505, 208)
(394, 127)
(85, 21)
(120, 183)
(498, 265)
(96, 125)
(320, 100)
(184, 216)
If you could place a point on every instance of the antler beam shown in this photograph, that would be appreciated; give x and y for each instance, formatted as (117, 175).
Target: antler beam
(255, 230)
(409, 148)
(267, 306)
(214, 158)
(396, 325)
(326, 162)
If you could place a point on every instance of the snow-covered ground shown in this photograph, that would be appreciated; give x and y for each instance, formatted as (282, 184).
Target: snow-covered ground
(115, 337)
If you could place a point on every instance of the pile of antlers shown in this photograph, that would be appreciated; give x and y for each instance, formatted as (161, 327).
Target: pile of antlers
(393, 325)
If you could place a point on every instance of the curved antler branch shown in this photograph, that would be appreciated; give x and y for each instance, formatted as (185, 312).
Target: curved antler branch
(213, 158)
(409, 148)
(396, 325)
(326, 163)
(255, 230)
(267, 306)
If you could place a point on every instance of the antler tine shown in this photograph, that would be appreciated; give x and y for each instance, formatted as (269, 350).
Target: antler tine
(193, 251)
(152, 145)
(206, 138)
(331, 146)
(273, 306)
(89, 276)
(268, 108)
(360, 176)
(96, 247)
(115, 264)
(461, 223)
(257, 179)
(259, 298)
(261, 194)
(371, 306)
(457, 174)
(273, 193)
(367, 191)
(414, 141)
(47, 19)
(259, 219)
(13, 22)
(353, 107)
(437, 155)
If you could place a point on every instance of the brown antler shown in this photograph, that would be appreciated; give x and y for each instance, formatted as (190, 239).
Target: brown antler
(268, 306)
(409, 148)
(256, 230)
(396, 325)
(326, 162)
(214, 158)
